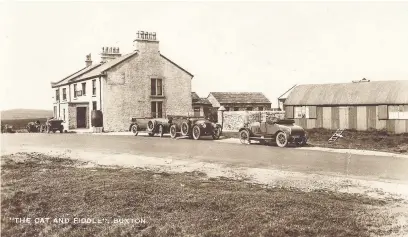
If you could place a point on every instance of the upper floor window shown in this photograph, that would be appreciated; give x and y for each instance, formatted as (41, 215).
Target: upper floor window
(84, 88)
(75, 90)
(57, 94)
(64, 93)
(93, 87)
(156, 87)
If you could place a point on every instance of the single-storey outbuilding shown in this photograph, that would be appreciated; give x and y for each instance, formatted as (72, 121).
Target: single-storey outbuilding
(361, 105)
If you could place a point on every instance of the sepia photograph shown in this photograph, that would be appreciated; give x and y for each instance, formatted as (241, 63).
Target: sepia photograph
(204, 118)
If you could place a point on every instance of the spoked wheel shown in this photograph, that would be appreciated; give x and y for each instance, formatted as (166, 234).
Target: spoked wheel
(150, 126)
(173, 131)
(184, 129)
(161, 130)
(244, 137)
(216, 133)
(196, 132)
(134, 129)
(281, 139)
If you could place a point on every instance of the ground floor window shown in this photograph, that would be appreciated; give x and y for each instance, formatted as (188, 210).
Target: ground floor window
(157, 109)
(249, 108)
(55, 112)
(63, 113)
(398, 112)
(301, 112)
(236, 108)
(260, 108)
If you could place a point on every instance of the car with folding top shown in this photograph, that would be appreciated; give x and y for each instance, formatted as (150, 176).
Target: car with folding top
(152, 126)
(274, 130)
(194, 127)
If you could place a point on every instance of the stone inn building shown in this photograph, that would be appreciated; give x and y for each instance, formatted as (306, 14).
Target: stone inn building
(142, 83)
(361, 105)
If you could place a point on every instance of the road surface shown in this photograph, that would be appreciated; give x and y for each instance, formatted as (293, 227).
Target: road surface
(256, 156)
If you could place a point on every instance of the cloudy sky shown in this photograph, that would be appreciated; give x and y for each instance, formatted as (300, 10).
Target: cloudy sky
(228, 46)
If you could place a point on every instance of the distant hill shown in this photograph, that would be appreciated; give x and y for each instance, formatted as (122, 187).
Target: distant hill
(25, 114)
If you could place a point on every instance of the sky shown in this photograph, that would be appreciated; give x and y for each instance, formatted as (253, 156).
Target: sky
(228, 46)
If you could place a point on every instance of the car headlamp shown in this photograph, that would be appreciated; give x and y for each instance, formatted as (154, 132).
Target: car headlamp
(204, 126)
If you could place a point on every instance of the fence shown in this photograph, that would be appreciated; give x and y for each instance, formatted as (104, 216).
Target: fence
(234, 120)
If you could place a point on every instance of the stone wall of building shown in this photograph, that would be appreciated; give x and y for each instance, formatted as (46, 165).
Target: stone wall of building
(127, 88)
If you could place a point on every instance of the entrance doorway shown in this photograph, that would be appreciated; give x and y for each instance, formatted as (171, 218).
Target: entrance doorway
(81, 117)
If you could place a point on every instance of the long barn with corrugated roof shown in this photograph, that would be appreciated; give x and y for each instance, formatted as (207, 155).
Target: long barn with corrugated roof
(362, 105)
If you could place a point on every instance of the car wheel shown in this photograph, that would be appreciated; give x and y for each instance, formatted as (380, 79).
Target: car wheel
(281, 139)
(216, 133)
(161, 130)
(53, 131)
(184, 129)
(173, 131)
(151, 134)
(244, 137)
(134, 129)
(196, 132)
(150, 126)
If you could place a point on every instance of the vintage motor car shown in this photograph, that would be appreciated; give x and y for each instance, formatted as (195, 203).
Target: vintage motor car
(35, 127)
(150, 125)
(281, 131)
(194, 127)
(53, 125)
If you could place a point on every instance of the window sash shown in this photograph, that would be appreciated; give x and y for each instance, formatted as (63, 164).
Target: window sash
(159, 87)
(75, 90)
(64, 93)
(84, 88)
(93, 87)
(153, 87)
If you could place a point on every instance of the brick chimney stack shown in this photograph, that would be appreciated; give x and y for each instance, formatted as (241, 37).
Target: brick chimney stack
(88, 61)
(109, 53)
(146, 42)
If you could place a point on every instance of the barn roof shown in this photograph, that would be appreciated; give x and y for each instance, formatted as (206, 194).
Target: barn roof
(363, 93)
(240, 97)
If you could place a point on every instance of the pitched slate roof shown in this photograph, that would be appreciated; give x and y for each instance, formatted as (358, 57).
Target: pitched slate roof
(199, 101)
(194, 96)
(363, 93)
(240, 97)
(93, 70)
(98, 69)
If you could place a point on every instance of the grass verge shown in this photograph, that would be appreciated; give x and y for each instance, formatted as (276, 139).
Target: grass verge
(189, 204)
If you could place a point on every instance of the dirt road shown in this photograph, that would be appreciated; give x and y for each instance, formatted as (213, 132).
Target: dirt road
(234, 155)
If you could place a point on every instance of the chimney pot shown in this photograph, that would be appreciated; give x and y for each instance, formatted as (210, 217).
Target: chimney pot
(88, 61)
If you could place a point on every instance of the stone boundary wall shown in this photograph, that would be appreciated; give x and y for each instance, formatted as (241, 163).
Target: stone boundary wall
(234, 120)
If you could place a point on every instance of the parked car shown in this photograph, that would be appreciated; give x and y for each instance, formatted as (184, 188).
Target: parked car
(194, 127)
(152, 126)
(35, 127)
(7, 129)
(53, 125)
(281, 131)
